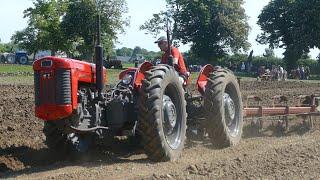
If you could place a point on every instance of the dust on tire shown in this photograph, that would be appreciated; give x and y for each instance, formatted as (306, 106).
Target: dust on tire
(223, 130)
(160, 86)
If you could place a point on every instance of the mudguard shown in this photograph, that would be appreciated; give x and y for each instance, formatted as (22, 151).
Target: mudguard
(203, 77)
(139, 74)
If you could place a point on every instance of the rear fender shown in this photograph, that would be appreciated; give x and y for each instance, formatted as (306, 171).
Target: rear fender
(138, 73)
(124, 72)
(203, 78)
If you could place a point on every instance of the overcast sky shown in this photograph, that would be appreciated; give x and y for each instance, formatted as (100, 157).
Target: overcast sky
(11, 20)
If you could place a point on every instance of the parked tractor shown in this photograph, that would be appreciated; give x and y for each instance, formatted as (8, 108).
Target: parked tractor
(20, 57)
(116, 64)
(149, 102)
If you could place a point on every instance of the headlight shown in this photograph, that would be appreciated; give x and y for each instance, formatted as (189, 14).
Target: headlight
(126, 79)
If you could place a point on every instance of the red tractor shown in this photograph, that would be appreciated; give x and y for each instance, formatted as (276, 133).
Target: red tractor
(149, 102)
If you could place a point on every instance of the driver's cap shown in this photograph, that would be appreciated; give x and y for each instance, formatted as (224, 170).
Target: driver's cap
(162, 38)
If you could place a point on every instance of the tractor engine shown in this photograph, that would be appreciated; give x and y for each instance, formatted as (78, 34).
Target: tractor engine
(64, 88)
(65, 92)
(120, 110)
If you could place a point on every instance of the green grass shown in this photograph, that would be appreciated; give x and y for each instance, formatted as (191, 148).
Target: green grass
(12, 68)
(127, 65)
(18, 80)
(113, 75)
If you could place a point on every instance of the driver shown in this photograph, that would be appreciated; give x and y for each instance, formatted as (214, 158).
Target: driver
(177, 58)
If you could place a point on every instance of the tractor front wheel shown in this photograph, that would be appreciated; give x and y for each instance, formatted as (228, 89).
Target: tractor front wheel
(23, 60)
(2, 58)
(162, 114)
(56, 140)
(11, 59)
(223, 106)
(59, 141)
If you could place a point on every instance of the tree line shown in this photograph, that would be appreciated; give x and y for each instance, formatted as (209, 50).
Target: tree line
(136, 52)
(213, 28)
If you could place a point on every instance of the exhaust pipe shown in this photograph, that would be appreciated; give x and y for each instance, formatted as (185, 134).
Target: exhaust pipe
(99, 60)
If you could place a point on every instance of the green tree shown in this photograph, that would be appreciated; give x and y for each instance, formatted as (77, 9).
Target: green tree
(70, 26)
(268, 52)
(151, 55)
(45, 20)
(137, 50)
(291, 24)
(124, 51)
(213, 27)
(2, 48)
(7, 47)
(27, 40)
(79, 23)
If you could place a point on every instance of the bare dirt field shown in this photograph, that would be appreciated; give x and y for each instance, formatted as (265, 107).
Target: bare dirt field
(262, 154)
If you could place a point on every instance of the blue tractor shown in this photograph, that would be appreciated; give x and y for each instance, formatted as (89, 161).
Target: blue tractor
(20, 57)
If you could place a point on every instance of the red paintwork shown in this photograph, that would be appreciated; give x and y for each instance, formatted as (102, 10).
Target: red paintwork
(139, 73)
(203, 78)
(123, 73)
(81, 72)
(51, 112)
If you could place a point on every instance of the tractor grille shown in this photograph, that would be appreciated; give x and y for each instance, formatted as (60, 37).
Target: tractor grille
(63, 87)
(37, 88)
(55, 90)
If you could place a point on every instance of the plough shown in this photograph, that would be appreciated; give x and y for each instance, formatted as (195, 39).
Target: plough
(305, 107)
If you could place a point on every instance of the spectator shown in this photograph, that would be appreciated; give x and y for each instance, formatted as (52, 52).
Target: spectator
(298, 73)
(302, 75)
(307, 72)
(261, 71)
(243, 67)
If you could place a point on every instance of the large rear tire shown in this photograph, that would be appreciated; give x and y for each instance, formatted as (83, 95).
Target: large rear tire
(223, 106)
(162, 114)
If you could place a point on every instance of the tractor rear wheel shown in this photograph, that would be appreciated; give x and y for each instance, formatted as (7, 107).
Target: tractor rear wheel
(162, 114)
(223, 106)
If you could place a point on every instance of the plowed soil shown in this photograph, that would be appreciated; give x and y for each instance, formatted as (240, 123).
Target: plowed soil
(262, 154)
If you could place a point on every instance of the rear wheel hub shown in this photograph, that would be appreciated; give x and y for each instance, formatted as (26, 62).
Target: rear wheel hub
(170, 114)
(230, 113)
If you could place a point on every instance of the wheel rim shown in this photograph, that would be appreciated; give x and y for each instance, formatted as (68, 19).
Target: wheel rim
(23, 60)
(231, 113)
(171, 123)
(79, 143)
(170, 113)
(11, 60)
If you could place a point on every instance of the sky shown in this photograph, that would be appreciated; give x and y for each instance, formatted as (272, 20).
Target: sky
(11, 20)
